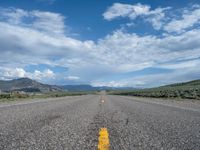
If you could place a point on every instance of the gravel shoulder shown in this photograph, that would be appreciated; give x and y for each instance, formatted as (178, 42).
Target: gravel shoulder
(179, 103)
(33, 100)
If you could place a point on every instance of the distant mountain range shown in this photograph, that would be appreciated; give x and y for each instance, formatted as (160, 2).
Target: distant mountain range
(29, 85)
(87, 87)
(82, 87)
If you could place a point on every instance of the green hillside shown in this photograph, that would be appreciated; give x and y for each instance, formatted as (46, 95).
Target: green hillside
(186, 90)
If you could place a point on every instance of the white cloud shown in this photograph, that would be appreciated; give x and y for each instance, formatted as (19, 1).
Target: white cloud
(13, 15)
(39, 75)
(181, 65)
(109, 84)
(49, 22)
(137, 52)
(72, 78)
(16, 72)
(155, 17)
(160, 18)
(40, 20)
(11, 73)
(188, 19)
(181, 72)
(126, 10)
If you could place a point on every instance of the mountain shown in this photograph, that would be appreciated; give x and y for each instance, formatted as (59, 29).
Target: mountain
(87, 87)
(26, 85)
(82, 87)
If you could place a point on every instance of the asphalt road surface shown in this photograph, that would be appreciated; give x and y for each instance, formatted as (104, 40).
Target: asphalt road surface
(73, 123)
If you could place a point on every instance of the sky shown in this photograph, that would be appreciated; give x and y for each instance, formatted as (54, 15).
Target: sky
(117, 43)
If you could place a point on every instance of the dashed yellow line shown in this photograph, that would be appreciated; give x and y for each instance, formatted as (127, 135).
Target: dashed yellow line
(103, 143)
(102, 99)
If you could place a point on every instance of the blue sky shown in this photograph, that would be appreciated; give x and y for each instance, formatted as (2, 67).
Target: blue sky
(103, 43)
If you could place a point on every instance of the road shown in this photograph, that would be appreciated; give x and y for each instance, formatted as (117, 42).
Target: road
(73, 123)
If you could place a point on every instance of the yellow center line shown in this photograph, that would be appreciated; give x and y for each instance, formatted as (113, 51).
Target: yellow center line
(103, 139)
(103, 99)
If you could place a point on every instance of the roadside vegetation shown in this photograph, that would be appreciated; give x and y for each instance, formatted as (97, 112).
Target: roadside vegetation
(188, 90)
(6, 97)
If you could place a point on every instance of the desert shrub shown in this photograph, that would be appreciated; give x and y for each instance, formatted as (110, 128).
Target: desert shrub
(5, 96)
(175, 91)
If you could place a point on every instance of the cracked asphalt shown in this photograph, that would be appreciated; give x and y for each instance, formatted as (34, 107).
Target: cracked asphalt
(73, 123)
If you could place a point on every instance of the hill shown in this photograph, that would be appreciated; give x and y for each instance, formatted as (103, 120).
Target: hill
(26, 85)
(188, 90)
(183, 84)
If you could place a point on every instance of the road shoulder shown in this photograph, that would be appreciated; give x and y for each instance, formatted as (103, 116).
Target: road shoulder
(186, 104)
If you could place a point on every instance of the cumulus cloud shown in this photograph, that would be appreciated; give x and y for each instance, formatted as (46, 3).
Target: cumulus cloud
(47, 73)
(155, 17)
(160, 18)
(126, 10)
(49, 22)
(16, 72)
(13, 15)
(12, 73)
(137, 52)
(43, 21)
(188, 19)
